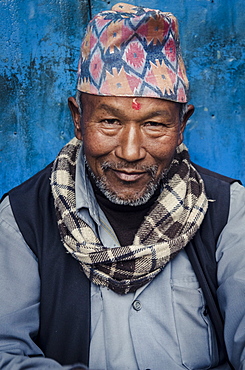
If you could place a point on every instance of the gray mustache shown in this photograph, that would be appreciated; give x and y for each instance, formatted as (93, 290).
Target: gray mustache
(125, 165)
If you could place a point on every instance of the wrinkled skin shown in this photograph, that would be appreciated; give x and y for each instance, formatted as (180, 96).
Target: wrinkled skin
(128, 150)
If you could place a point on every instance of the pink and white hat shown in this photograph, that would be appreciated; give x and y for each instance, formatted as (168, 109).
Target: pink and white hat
(133, 51)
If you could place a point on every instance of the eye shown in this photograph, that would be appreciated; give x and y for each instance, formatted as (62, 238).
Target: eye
(110, 122)
(154, 124)
(110, 126)
(155, 128)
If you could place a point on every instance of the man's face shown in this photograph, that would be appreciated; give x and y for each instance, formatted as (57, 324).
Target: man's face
(128, 150)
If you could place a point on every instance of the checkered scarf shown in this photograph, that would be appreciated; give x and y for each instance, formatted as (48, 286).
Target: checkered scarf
(170, 224)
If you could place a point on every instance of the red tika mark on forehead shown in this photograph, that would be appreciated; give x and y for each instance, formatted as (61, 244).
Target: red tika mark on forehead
(135, 104)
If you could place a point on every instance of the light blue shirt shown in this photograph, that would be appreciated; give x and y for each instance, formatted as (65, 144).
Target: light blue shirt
(161, 326)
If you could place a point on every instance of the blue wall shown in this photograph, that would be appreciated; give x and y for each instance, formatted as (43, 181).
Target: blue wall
(40, 42)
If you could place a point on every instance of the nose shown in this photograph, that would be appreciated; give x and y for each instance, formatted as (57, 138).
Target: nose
(130, 146)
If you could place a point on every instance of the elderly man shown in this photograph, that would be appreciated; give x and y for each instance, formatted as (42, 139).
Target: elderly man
(122, 254)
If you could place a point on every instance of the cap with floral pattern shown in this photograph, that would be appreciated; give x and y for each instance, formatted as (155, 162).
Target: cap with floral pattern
(133, 51)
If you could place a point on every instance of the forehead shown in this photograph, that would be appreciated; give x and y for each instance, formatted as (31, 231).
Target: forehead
(126, 105)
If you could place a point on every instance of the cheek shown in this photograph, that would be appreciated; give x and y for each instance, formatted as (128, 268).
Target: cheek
(162, 154)
(96, 144)
(163, 149)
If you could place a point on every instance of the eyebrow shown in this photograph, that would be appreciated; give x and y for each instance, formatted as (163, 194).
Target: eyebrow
(158, 113)
(117, 111)
(109, 108)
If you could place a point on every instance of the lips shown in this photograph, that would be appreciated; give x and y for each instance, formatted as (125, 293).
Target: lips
(128, 176)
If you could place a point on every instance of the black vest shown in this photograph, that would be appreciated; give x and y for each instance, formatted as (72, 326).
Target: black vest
(64, 333)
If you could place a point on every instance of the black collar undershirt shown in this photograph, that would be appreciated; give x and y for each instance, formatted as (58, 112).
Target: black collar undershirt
(125, 220)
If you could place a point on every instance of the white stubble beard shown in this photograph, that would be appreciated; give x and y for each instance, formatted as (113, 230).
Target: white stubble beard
(113, 197)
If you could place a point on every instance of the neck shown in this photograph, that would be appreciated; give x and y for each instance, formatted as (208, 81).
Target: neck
(124, 219)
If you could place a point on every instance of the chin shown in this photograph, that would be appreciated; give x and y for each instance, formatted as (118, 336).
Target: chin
(129, 199)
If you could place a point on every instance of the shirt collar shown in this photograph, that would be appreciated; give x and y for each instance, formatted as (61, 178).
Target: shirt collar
(85, 198)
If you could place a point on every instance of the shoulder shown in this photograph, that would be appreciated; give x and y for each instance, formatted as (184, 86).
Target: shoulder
(217, 186)
(11, 238)
(32, 193)
(207, 174)
(32, 205)
(38, 181)
(237, 206)
(7, 220)
(218, 189)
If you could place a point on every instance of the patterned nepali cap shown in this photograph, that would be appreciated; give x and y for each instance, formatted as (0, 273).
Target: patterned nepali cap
(133, 51)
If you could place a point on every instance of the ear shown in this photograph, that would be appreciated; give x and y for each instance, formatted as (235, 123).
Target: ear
(187, 115)
(76, 116)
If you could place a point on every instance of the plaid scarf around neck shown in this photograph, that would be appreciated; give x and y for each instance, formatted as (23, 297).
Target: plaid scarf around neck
(166, 230)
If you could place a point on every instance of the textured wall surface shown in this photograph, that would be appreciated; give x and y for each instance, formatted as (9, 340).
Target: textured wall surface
(40, 42)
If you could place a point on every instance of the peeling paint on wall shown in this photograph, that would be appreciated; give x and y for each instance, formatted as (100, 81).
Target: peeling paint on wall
(40, 43)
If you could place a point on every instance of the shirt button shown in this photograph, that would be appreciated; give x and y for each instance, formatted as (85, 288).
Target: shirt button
(137, 305)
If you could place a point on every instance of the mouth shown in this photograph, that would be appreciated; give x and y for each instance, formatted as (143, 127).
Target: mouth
(128, 176)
